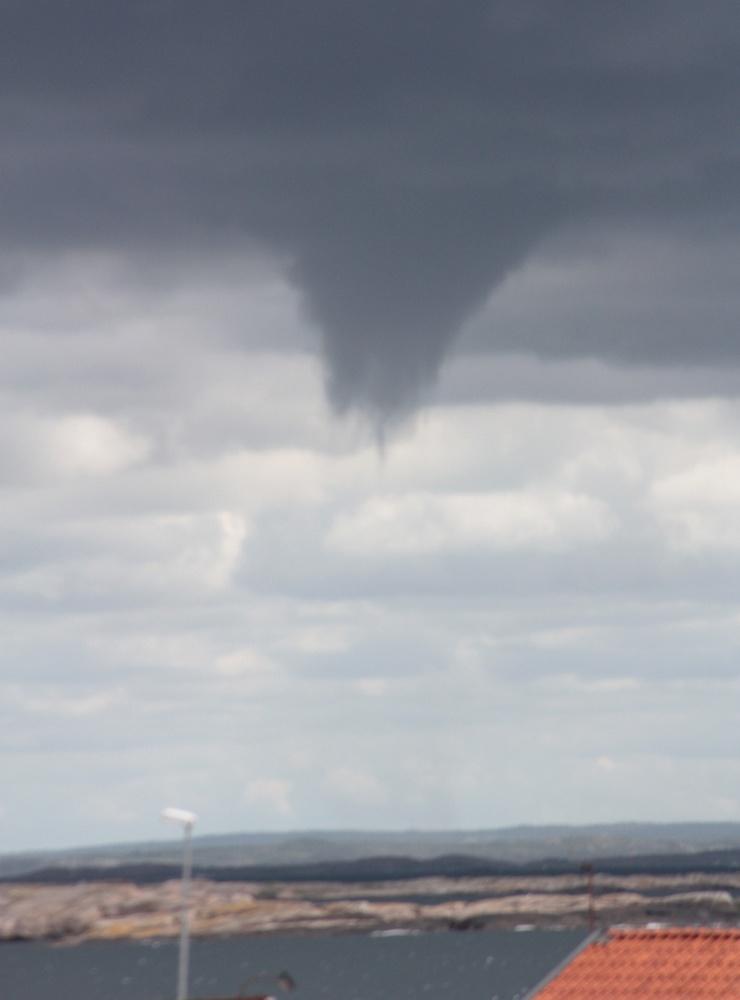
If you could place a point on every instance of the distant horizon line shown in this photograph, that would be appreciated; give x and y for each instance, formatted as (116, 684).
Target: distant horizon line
(299, 832)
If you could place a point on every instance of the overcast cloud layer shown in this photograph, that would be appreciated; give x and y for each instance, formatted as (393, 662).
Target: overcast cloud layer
(236, 239)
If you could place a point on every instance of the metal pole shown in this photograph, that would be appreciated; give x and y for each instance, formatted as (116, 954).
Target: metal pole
(187, 867)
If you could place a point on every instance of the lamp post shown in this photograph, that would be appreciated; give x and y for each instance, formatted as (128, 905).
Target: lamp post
(186, 820)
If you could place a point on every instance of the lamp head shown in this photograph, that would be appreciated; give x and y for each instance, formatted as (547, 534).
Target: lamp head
(182, 816)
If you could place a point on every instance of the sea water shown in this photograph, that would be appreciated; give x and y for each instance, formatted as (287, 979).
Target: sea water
(475, 965)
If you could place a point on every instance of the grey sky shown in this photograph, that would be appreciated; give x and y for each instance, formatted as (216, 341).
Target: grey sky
(237, 237)
(397, 160)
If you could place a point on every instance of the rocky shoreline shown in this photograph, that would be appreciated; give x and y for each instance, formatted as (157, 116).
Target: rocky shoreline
(118, 910)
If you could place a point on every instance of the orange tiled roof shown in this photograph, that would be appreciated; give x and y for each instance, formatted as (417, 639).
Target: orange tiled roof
(684, 963)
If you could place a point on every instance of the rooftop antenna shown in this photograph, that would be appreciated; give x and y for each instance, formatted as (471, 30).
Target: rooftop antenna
(283, 979)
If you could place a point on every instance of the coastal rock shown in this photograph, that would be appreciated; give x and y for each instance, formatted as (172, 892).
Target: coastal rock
(112, 911)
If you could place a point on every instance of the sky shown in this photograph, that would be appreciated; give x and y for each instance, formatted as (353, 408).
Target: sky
(370, 414)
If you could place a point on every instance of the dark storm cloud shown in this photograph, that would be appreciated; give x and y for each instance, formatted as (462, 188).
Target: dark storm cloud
(400, 159)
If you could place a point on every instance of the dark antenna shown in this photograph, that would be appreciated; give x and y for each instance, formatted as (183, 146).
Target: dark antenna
(283, 979)
(588, 870)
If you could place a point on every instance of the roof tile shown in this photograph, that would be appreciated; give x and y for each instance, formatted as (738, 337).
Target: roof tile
(682, 963)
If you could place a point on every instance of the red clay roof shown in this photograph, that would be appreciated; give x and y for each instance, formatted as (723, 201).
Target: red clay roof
(686, 963)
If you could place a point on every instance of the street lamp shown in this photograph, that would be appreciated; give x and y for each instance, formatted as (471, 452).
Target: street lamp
(186, 820)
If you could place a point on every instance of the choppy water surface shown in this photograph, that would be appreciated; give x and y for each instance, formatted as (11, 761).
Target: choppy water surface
(497, 965)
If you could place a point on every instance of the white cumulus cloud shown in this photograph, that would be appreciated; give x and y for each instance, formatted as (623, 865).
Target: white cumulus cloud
(516, 520)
